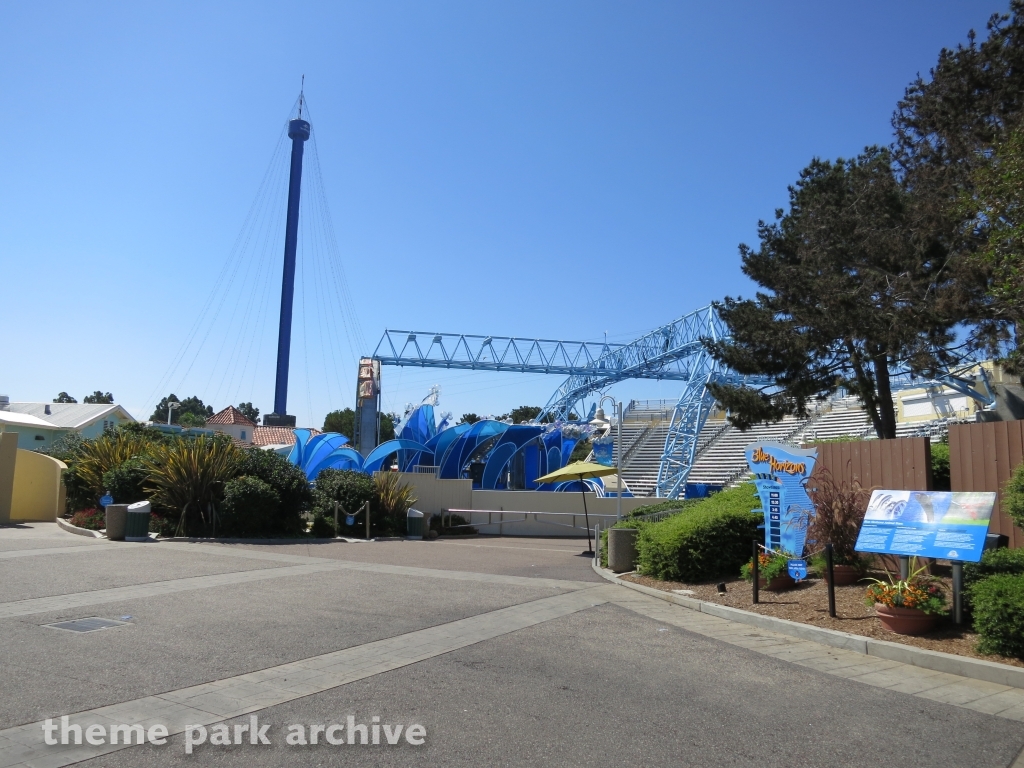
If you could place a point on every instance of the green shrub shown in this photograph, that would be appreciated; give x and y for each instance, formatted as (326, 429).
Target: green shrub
(251, 508)
(93, 519)
(672, 505)
(125, 481)
(350, 489)
(940, 467)
(1013, 496)
(323, 527)
(709, 539)
(999, 614)
(994, 562)
(391, 501)
(288, 481)
(162, 524)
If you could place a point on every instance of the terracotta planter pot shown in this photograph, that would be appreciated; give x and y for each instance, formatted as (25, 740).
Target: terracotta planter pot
(780, 583)
(845, 574)
(905, 621)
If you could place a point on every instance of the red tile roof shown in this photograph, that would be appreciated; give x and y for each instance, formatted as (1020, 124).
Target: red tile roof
(231, 415)
(275, 435)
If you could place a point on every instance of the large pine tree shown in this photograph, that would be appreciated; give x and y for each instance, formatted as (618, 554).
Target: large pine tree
(851, 287)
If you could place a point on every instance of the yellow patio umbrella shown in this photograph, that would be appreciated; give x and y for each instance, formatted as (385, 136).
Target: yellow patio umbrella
(579, 470)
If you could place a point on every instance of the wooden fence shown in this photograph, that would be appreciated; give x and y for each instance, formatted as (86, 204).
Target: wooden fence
(898, 465)
(981, 458)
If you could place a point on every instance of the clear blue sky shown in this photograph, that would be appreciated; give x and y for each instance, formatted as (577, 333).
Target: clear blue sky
(555, 169)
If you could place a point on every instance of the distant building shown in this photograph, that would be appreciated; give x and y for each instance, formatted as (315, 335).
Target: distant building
(39, 424)
(232, 422)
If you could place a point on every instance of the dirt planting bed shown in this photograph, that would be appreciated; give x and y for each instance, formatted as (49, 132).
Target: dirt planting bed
(808, 603)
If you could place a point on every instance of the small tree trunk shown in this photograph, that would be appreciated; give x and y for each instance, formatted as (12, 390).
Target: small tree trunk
(866, 389)
(886, 427)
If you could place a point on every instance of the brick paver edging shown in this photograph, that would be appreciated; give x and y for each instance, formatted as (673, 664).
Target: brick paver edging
(977, 669)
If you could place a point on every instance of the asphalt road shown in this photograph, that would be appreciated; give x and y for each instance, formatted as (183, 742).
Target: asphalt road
(601, 686)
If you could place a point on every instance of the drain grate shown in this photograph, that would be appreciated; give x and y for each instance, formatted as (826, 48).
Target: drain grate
(91, 624)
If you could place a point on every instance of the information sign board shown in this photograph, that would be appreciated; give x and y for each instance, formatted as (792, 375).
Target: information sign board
(950, 526)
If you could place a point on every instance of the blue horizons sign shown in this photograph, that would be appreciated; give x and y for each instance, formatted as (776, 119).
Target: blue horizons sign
(780, 474)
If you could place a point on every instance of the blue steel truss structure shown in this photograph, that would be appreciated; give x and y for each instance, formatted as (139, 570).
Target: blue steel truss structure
(462, 351)
(673, 352)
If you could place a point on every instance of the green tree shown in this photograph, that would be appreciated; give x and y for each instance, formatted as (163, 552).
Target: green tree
(388, 421)
(190, 419)
(469, 418)
(249, 411)
(947, 126)
(99, 398)
(994, 211)
(64, 397)
(192, 405)
(850, 290)
(524, 413)
(343, 421)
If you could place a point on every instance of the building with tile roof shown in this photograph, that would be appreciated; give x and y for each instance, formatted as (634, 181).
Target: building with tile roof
(233, 422)
(276, 437)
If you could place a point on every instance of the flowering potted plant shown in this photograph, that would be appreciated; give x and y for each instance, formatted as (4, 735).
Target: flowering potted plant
(772, 571)
(910, 606)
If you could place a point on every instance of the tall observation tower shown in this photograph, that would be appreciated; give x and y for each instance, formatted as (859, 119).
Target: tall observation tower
(298, 132)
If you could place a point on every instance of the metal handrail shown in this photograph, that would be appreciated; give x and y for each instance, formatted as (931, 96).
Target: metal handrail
(627, 456)
(468, 513)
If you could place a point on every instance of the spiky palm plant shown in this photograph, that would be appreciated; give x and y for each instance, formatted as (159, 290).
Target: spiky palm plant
(97, 457)
(392, 499)
(188, 475)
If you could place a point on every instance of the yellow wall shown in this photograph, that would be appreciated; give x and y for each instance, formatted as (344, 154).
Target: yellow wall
(38, 490)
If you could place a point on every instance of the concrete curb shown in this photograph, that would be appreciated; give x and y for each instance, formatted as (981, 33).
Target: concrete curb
(977, 669)
(62, 523)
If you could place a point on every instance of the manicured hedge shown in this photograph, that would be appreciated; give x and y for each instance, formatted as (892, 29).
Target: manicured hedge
(1013, 496)
(999, 614)
(672, 505)
(707, 540)
(994, 562)
(251, 509)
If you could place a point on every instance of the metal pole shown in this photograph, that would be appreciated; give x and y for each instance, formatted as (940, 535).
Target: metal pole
(618, 464)
(756, 575)
(298, 132)
(958, 592)
(831, 581)
(335, 518)
(586, 517)
(904, 567)
(366, 509)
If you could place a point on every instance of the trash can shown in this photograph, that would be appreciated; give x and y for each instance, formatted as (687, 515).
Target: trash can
(136, 527)
(414, 524)
(116, 515)
(622, 549)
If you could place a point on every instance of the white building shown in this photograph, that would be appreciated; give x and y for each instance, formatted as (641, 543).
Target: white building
(39, 424)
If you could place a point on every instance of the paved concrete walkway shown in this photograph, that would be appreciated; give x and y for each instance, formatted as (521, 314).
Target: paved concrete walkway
(576, 672)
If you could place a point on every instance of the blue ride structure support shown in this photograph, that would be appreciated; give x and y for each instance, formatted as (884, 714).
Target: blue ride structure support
(298, 132)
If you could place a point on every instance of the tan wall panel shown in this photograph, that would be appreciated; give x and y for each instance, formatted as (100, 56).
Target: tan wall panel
(982, 457)
(899, 465)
